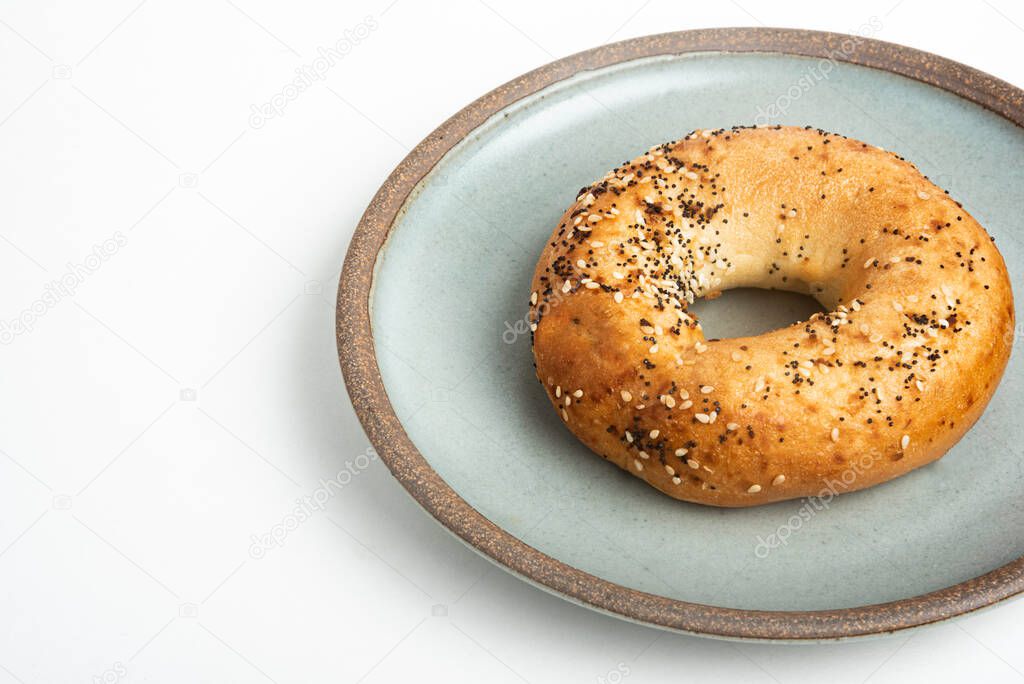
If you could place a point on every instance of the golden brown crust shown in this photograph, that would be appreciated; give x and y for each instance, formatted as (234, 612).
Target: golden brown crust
(917, 334)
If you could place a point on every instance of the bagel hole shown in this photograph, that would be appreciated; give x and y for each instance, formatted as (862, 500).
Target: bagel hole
(750, 311)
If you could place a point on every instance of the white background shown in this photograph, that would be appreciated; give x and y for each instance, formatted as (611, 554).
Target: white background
(176, 403)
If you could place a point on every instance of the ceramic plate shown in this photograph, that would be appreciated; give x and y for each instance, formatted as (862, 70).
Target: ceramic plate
(436, 353)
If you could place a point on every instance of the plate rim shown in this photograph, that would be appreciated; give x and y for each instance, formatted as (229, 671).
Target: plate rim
(366, 389)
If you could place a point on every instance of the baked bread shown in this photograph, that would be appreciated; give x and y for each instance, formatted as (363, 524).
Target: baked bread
(917, 334)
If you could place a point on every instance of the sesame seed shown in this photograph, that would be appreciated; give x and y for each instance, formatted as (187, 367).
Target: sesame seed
(702, 417)
(626, 396)
(643, 454)
(676, 480)
(835, 434)
(828, 351)
(533, 298)
(707, 389)
(668, 400)
(617, 275)
(655, 433)
(701, 348)
(896, 305)
(692, 463)
(905, 441)
(558, 392)
(637, 464)
(732, 426)
(581, 263)
(670, 470)
(686, 404)
(629, 436)
(691, 175)
(868, 263)
(618, 297)
(578, 393)
(779, 479)
(754, 489)
(680, 452)
(923, 195)
(565, 416)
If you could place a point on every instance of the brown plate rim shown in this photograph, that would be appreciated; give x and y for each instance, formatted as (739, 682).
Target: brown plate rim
(373, 408)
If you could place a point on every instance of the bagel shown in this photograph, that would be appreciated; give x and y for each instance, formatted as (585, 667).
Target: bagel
(917, 332)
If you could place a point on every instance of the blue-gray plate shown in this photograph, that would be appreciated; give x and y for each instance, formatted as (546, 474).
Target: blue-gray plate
(436, 350)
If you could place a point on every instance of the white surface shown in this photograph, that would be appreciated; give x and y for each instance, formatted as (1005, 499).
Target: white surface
(181, 402)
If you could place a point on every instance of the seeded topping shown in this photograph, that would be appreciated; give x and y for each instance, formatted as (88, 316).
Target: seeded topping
(642, 244)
